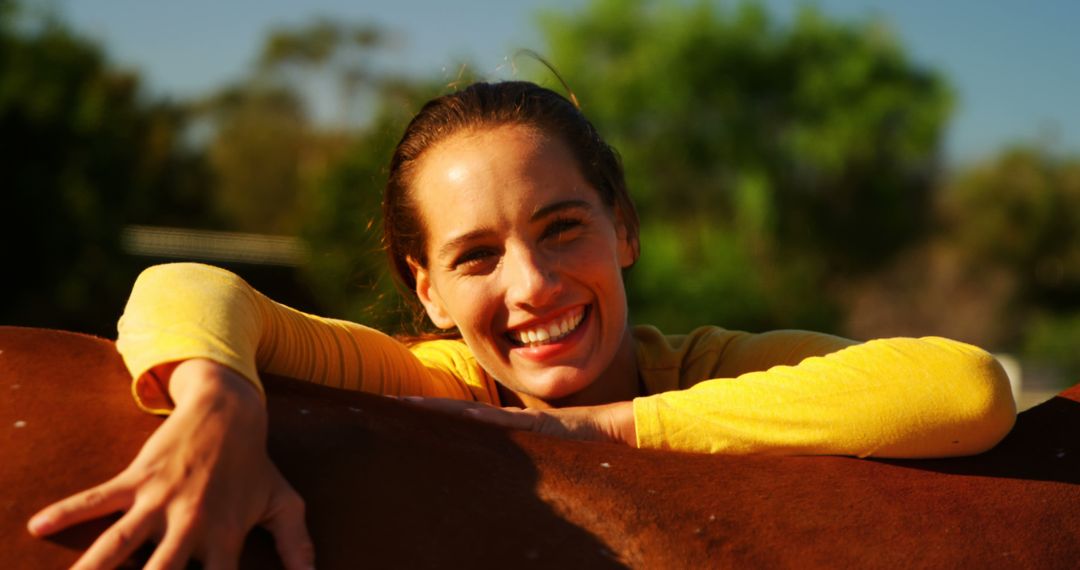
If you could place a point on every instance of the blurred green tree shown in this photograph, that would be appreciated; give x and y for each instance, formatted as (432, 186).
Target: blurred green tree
(325, 51)
(260, 136)
(1019, 213)
(83, 155)
(335, 171)
(264, 146)
(775, 158)
(348, 269)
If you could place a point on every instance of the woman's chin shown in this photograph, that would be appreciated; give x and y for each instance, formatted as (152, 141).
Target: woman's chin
(553, 389)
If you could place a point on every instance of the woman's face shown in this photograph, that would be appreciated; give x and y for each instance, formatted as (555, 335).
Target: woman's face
(523, 257)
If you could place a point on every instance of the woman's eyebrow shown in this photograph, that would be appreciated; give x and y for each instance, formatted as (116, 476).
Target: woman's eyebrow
(558, 207)
(449, 248)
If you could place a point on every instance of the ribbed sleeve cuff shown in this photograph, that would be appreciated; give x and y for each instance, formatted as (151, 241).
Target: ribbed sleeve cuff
(647, 424)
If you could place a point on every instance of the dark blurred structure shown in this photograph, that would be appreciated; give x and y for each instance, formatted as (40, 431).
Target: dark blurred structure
(269, 263)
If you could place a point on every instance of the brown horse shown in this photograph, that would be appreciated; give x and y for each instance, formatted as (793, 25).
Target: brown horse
(391, 486)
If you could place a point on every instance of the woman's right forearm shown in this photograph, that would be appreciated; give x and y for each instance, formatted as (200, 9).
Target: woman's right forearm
(182, 311)
(202, 382)
(185, 311)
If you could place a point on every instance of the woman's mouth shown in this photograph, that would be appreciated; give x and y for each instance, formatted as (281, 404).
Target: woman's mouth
(549, 332)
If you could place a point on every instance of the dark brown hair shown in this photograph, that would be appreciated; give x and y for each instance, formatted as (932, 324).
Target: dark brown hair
(482, 106)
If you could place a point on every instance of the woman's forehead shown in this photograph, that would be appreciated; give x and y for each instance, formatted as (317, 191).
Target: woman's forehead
(489, 146)
(506, 170)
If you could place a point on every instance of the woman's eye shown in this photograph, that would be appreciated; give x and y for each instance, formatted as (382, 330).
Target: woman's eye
(474, 258)
(562, 227)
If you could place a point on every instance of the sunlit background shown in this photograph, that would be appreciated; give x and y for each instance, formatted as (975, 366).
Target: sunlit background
(856, 167)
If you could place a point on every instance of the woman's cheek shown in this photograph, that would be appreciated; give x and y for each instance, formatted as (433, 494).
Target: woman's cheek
(478, 305)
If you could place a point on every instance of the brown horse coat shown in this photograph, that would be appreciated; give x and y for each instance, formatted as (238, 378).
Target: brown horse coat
(392, 486)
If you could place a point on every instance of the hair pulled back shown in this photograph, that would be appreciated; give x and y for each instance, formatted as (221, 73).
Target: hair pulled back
(482, 106)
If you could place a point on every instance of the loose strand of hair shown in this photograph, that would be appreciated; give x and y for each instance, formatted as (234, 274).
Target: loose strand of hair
(526, 52)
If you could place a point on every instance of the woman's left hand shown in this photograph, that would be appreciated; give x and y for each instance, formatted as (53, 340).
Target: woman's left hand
(608, 422)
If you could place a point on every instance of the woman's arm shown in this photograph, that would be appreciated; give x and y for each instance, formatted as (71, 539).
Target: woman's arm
(198, 485)
(194, 337)
(791, 392)
(186, 310)
(902, 397)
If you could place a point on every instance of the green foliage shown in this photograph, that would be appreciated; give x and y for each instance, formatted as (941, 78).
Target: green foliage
(83, 155)
(816, 141)
(317, 43)
(329, 53)
(256, 157)
(1054, 339)
(1021, 211)
(348, 270)
(738, 290)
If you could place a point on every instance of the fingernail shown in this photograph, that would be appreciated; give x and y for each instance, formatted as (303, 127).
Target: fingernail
(39, 525)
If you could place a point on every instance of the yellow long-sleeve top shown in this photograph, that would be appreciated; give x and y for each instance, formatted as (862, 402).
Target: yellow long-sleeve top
(713, 390)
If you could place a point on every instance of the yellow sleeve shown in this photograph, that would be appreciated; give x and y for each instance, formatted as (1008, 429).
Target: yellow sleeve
(902, 397)
(188, 310)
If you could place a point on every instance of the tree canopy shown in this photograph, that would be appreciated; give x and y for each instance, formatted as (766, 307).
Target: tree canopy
(83, 155)
(768, 156)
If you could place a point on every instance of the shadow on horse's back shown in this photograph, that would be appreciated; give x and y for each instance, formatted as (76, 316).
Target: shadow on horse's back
(390, 485)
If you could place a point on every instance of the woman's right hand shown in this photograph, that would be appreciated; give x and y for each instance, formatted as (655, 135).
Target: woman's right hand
(198, 485)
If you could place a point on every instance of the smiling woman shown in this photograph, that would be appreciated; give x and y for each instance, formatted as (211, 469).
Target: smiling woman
(508, 217)
(522, 244)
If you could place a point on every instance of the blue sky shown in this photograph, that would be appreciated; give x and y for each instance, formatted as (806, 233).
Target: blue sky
(1014, 65)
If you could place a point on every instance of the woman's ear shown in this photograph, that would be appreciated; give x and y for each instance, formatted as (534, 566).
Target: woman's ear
(629, 247)
(429, 297)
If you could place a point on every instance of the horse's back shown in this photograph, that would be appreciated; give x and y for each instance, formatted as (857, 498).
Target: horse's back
(388, 485)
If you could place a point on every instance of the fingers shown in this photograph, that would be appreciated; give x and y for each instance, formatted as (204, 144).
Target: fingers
(99, 501)
(117, 543)
(174, 550)
(289, 528)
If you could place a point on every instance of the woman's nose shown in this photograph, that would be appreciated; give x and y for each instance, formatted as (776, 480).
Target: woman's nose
(532, 280)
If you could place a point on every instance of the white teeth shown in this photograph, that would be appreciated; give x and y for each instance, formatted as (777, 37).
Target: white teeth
(551, 332)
